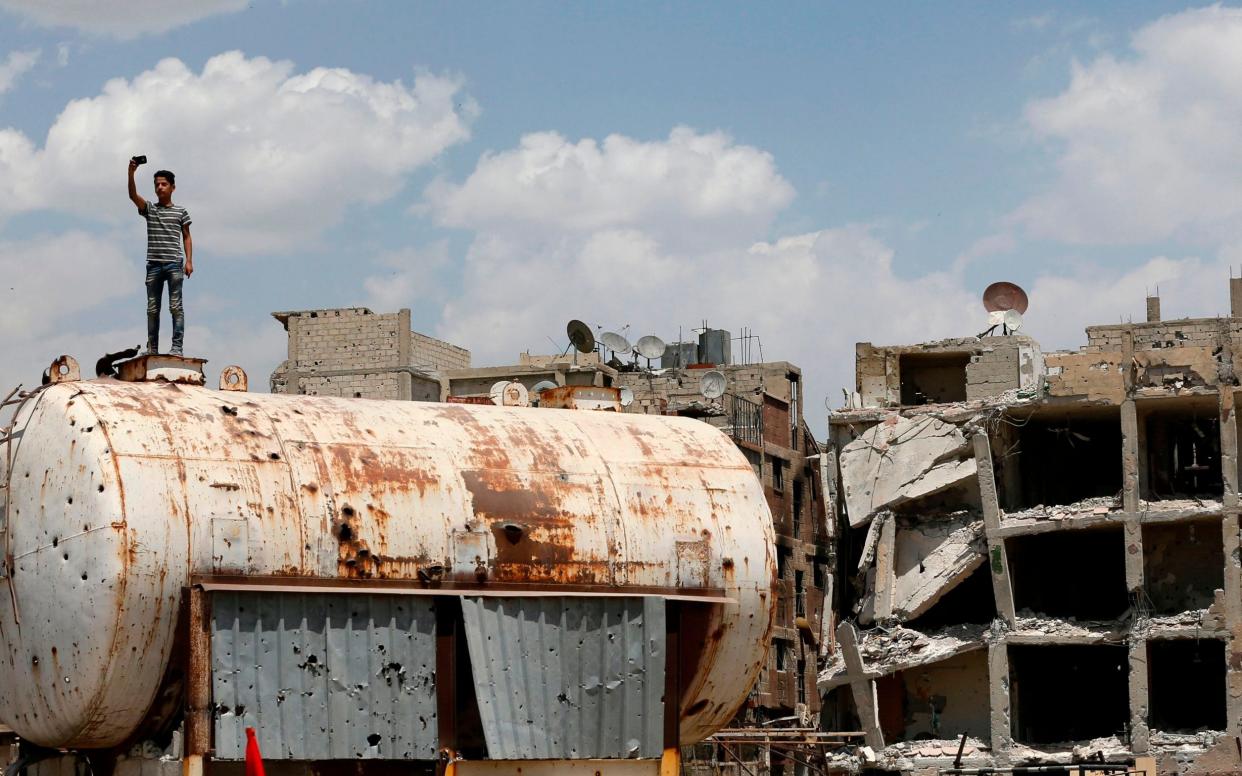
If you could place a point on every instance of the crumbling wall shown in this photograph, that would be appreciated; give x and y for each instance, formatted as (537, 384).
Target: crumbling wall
(1185, 332)
(1003, 364)
(1092, 376)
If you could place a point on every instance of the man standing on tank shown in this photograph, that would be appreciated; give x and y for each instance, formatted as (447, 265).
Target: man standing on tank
(170, 254)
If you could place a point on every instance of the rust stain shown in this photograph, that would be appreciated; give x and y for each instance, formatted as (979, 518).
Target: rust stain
(498, 495)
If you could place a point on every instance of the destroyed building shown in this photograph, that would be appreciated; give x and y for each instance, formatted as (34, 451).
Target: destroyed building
(1039, 551)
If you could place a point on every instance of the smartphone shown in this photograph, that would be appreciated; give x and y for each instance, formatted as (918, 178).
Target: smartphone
(140, 160)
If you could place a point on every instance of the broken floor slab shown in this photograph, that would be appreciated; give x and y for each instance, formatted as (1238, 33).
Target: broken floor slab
(932, 558)
(885, 651)
(899, 460)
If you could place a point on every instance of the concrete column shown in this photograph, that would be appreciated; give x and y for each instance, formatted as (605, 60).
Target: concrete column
(862, 688)
(1229, 446)
(1232, 548)
(998, 700)
(1235, 297)
(1233, 620)
(1130, 496)
(998, 559)
(1129, 457)
(405, 344)
(1153, 309)
(1127, 360)
(1139, 701)
(885, 576)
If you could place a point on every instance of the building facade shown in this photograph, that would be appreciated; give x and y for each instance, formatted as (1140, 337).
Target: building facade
(1038, 551)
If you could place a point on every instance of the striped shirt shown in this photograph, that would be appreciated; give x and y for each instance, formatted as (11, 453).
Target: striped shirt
(164, 226)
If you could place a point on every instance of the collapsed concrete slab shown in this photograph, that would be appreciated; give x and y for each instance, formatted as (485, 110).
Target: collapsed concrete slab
(899, 460)
(932, 558)
(888, 651)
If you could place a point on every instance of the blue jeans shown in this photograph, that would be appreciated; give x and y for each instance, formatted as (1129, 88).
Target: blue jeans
(159, 272)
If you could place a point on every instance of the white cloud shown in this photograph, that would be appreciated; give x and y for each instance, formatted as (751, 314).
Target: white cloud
(44, 279)
(15, 65)
(265, 158)
(1148, 145)
(407, 276)
(47, 285)
(550, 183)
(125, 19)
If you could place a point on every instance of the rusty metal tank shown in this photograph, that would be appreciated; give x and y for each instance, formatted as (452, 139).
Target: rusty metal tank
(122, 494)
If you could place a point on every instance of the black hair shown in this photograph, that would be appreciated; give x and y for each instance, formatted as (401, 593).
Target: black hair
(166, 175)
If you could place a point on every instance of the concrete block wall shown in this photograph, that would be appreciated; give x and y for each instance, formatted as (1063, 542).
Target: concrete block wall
(431, 354)
(1189, 332)
(993, 371)
(375, 385)
(351, 338)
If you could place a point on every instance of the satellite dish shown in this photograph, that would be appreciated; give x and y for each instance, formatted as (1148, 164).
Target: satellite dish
(1003, 296)
(580, 336)
(712, 384)
(1011, 319)
(509, 393)
(615, 342)
(542, 386)
(650, 346)
(627, 396)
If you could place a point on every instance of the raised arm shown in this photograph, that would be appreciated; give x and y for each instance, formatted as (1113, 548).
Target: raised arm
(134, 196)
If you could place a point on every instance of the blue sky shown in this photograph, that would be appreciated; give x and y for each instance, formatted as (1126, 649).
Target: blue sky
(822, 173)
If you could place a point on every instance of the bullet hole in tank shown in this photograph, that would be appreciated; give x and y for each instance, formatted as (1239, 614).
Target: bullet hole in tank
(66, 556)
(274, 456)
(345, 533)
(55, 541)
(34, 660)
(348, 511)
(101, 488)
(373, 739)
(83, 577)
(89, 429)
(71, 499)
(53, 651)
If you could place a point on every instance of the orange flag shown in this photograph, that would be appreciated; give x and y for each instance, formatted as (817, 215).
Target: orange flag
(254, 760)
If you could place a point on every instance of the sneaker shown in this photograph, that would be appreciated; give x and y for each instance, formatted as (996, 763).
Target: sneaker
(151, 350)
(176, 352)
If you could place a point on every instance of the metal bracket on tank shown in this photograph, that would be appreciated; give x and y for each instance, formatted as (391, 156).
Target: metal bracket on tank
(473, 549)
(64, 370)
(233, 378)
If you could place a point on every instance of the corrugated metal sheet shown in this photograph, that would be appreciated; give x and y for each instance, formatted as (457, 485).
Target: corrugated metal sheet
(568, 677)
(324, 676)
